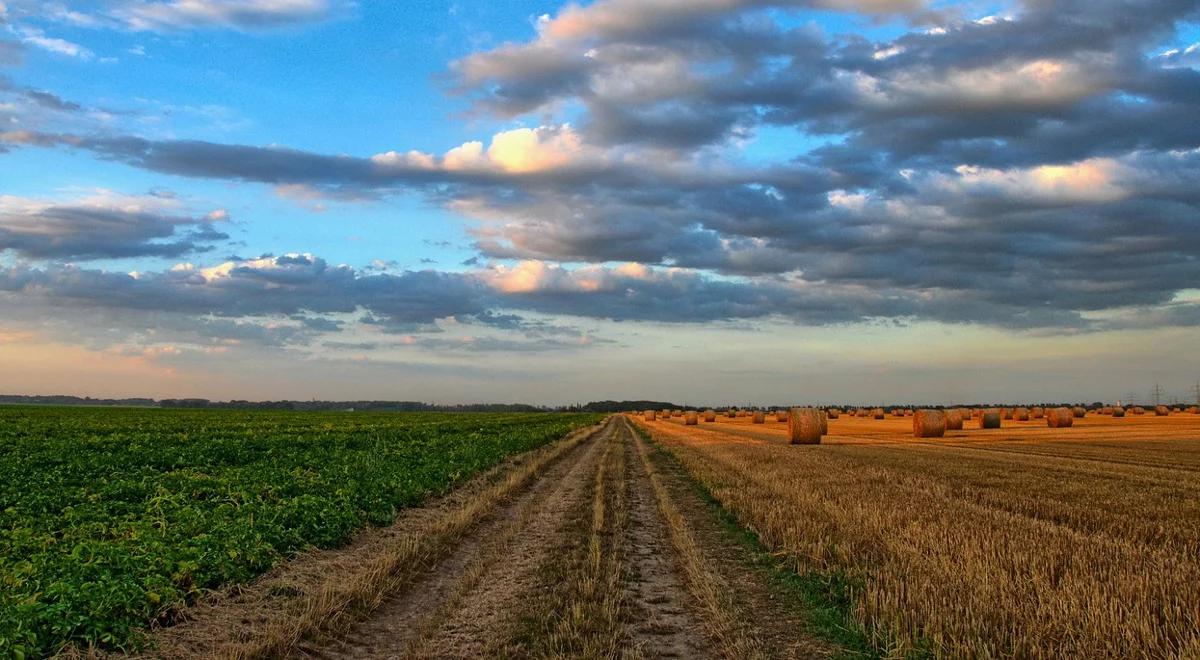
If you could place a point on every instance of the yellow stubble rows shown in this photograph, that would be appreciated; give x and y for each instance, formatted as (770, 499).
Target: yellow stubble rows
(1022, 540)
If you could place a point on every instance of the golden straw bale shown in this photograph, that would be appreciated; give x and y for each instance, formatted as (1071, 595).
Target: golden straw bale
(929, 423)
(1059, 418)
(990, 419)
(954, 420)
(804, 426)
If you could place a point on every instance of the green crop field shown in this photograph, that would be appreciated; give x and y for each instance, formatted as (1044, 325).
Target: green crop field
(112, 517)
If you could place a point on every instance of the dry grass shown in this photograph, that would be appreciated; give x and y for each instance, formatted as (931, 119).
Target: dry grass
(1023, 541)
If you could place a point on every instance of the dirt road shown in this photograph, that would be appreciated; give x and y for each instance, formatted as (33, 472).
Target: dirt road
(601, 549)
(606, 554)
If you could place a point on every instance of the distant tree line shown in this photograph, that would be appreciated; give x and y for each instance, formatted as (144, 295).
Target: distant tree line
(382, 406)
(607, 406)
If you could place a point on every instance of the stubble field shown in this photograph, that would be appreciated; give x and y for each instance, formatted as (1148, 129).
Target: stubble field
(1022, 541)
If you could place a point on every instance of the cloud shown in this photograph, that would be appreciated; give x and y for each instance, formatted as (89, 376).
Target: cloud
(104, 225)
(38, 39)
(1031, 170)
(1188, 56)
(175, 15)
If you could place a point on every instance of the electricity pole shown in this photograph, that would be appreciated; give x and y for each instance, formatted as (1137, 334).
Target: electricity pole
(1196, 391)
(1157, 394)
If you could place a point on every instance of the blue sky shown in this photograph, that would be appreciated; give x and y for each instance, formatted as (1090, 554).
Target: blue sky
(550, 202)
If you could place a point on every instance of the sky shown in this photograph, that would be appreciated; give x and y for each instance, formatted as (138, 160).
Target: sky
(702, 201)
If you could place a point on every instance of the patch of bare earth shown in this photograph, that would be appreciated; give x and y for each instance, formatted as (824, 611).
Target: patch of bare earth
(665, 621)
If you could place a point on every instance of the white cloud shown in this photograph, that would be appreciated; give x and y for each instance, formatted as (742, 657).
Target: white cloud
(1095, 180)
(37, 38)
(516, 151)
(243, 14)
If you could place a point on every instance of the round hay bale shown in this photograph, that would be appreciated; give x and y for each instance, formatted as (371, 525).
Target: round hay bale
(877, 413)
(1118, 412)
(710, 415)
(1059, 418)
(833, 413)
(1161, 411)
(929, 423)
(666, 414)
(1195, 410)
(1106, 410)
(1079, 412)
(649, 415)
(805, 426)
(1019, 415)
(954, 420)
(1037, 413)
(731, 413)
(1138, 410)
(758, 417)
(690, 418)
(781, 415)
(990, 419)
(1006, 413)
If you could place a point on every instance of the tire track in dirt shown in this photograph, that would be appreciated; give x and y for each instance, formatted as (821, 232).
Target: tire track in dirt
(664, 619)
(459, 606)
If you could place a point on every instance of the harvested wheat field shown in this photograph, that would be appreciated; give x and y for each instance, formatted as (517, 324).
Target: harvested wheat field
(1022, 541)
